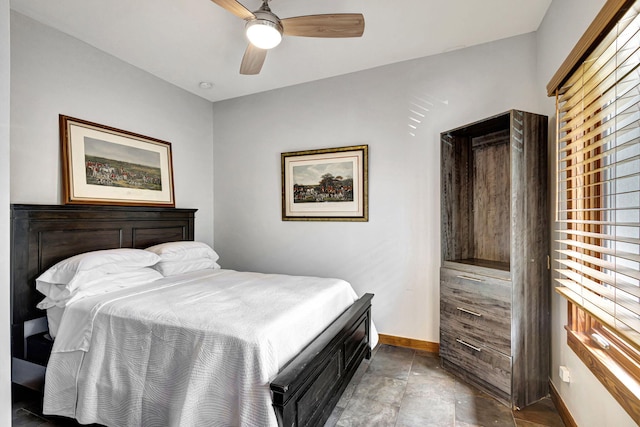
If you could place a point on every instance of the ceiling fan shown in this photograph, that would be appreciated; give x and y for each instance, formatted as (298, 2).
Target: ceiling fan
(265, 29)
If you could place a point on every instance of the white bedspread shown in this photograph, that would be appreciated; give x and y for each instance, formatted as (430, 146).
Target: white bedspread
(192, 350)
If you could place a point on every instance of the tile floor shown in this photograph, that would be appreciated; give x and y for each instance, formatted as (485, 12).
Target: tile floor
(398, 387)
(406, 388)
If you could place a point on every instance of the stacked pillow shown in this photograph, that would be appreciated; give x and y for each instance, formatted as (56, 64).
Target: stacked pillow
(92, 273)
(183, 257)
(101, 271)
(95, 272)
(104, 271)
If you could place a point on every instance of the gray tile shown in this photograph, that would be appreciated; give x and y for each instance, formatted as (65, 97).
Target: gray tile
(346, 395)
(483, 410)
(25, 418)
(334, 417)
(367, 413)
(431, 378)
(427, 364)
(348, 392)
(394, 351)
(380, 389)
(422, 406)
(464, 390)
(392, 362)
(427, 360)
(424, 386)
(375, 350)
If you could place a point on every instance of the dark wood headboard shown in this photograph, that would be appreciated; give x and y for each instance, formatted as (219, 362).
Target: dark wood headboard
(42, 235)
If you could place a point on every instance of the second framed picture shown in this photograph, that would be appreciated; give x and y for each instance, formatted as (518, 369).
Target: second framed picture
(326, 185)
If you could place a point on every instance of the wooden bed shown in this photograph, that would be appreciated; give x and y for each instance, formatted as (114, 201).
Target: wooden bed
(305, 391)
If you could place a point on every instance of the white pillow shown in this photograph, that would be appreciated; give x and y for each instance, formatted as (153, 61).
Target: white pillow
(93, 282)
(105, 261)
(183, 251)
(171, 268)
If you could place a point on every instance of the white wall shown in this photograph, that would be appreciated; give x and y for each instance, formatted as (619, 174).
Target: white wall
(54, 74)
(395, 255)
(587, 400)
(5, 352)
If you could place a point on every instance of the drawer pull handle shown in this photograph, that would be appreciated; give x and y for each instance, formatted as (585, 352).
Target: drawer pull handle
(469, 312)
(473, 279)
(466, 344)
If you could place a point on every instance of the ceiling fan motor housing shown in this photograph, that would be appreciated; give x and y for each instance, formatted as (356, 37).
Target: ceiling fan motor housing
(266, 17)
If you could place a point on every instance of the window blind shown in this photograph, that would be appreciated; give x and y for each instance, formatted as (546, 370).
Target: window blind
(597, 256)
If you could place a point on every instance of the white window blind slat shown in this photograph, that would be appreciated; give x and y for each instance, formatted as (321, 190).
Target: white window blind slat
(606, 251)
(577, 234)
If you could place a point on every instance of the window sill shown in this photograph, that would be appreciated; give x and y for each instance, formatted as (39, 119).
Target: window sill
(622, 386)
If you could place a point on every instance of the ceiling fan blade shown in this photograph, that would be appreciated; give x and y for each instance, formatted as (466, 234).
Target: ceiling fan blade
(236, 8)
(331, 25)
(252, 60)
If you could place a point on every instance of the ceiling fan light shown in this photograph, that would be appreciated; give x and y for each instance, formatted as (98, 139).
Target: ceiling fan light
(263, 33)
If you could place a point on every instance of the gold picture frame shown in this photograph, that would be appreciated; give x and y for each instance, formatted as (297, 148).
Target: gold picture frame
(102, 165)
(326, 185)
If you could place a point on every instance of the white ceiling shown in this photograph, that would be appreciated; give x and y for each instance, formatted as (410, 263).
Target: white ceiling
(186, 42)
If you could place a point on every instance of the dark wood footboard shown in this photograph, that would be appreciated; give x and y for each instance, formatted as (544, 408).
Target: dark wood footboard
(308, 388)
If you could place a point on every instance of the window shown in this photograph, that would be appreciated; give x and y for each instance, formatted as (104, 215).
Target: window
(597, 256)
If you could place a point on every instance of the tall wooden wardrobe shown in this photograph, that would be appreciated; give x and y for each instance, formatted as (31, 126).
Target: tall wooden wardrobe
(494, 280)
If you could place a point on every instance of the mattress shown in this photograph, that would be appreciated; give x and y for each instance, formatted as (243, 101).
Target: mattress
(198, 349)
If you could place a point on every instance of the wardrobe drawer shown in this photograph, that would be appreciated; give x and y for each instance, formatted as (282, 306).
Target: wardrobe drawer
(476, 301)
(472, 357)
(469, 285)
(492, 329)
